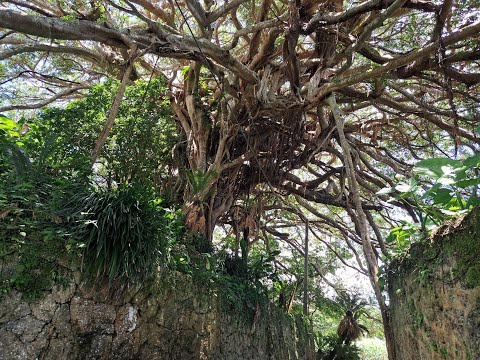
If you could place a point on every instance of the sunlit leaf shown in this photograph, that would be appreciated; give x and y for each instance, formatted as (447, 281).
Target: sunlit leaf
(433, 167)
(386, 190)
(404, 188)
(447, 170)
(446, 181)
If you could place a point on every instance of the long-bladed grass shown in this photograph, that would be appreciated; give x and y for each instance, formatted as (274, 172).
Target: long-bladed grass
(123, 232)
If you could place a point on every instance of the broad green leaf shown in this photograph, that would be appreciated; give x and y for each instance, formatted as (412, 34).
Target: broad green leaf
(433, 167)
(469, 182)
(390, 238)
(6, 123)
(441, 196)
(406, 188)
(473, 201)
(472, 161)
(461, 174)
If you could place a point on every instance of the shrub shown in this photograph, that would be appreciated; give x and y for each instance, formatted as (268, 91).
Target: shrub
(330, 348)
(34, 241)
(124, 232)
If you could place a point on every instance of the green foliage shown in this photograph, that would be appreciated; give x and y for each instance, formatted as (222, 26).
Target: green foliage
(124, 232)
(200, 181)
(34, 241)
(261, 266)
(11, 152)
(440, 189)
(9, 130)
(344, 301)
(330, 348)
(257, 267)
(372, 349)
(326, 319)
(352, 301)
(241, 296)
(48, 217)
(402, 236)
(138, 149)
(241, 287)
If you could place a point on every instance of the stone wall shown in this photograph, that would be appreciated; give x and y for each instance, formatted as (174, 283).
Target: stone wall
(174, 321)
(435, 295)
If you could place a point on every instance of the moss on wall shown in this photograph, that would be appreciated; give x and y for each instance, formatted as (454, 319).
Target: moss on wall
(171, 319)
(435, 295)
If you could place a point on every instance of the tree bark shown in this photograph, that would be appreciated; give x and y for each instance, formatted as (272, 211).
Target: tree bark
(363, 227)
(305, 271)
(102, 138)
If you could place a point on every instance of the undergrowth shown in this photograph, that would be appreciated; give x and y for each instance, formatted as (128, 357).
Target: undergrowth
(126, 235)
(34, 242)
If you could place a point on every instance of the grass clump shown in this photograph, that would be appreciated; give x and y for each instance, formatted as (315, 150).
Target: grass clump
(124, 232)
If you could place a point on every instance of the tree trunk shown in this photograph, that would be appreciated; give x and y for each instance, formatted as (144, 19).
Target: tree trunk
(102, 138)
(363, 227)
(305, 272)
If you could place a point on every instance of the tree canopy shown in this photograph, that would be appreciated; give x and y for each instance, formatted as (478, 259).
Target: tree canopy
(304, 108)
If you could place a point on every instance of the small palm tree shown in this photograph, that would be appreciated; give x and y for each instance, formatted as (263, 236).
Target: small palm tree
(354, 306)
(349, 329)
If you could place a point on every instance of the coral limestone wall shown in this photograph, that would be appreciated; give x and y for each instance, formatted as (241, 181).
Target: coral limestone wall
(79, 322)
(435, 295)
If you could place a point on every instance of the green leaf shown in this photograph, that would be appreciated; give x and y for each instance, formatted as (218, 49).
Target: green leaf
(441, 196)
(461, 174)
(469, 182)
(6, 123)
(390, 238)
(472, 161)
(473, 201)
(433, 167)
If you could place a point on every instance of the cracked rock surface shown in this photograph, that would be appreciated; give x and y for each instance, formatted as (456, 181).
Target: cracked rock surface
(435, 295)
(181, 322)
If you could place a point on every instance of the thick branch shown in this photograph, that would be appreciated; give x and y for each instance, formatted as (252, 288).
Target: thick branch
(225, 9)
(322, 18)
(344, 81)
(41, 104)
(322, 198)
(51, 28)
(102, 138)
